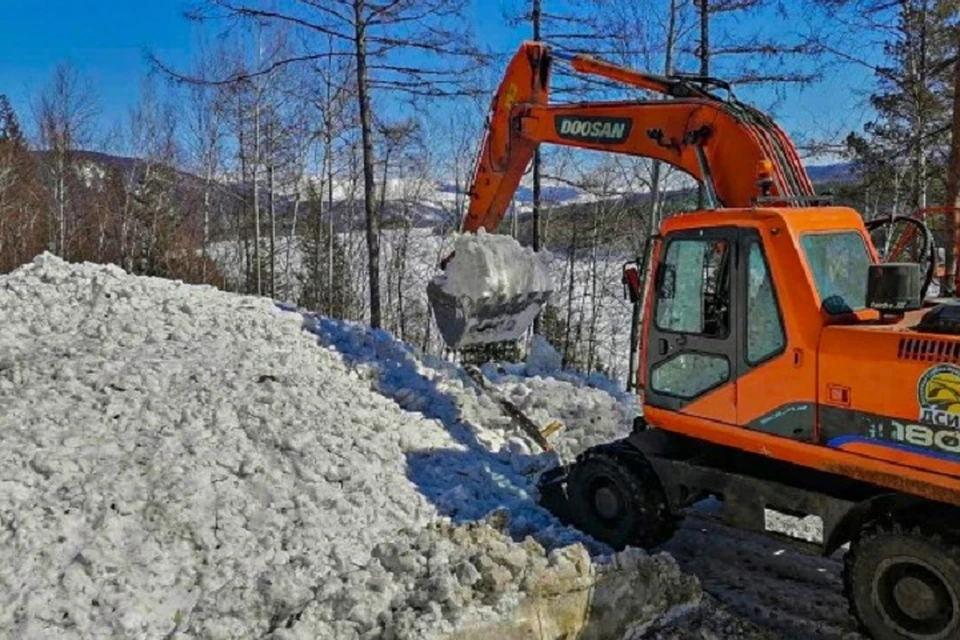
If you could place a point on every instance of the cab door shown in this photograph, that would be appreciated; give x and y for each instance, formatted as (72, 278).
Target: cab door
(691, 353)
(776, 385)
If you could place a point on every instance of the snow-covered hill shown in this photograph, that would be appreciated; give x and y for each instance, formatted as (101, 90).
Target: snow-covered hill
(181, 462)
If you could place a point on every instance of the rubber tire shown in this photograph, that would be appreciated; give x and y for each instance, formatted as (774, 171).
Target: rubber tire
(646, 522)
(877, 542)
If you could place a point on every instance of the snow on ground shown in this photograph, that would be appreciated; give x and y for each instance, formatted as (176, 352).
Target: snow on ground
(494, 464)
(183, 462)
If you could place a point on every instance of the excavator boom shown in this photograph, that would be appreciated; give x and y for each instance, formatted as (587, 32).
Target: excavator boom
(737, 152)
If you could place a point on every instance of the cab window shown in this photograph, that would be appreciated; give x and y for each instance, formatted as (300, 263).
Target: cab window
(765, 336)
(838, 262)
(693, 295)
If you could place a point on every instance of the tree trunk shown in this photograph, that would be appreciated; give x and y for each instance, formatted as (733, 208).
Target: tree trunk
(536, 169)
(920, 125)
(391, 253)
(273, 227)
(404, 243)
(288, 257)
(369, 187)
(205, 248)
(332, 228)
(704, 69)
(594, 298)
(319, 305)
(953, 186)
(258, 274)
(572, 263)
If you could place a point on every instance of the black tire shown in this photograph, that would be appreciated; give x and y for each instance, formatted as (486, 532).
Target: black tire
(903, 584)
(618, 500)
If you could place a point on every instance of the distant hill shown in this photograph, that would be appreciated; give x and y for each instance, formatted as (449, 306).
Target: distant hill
(841, 172)
(433, 206)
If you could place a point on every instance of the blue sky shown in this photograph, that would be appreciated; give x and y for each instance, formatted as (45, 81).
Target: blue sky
(107, 40)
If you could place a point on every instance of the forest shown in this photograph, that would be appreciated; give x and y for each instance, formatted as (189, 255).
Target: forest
(320, 153)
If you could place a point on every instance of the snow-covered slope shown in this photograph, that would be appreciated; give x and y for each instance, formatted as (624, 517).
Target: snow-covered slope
(182, 462)
(494, 464)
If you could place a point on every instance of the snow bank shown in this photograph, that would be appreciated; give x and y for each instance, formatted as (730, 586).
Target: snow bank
(491, 264)
(182, 462)
(496, 464)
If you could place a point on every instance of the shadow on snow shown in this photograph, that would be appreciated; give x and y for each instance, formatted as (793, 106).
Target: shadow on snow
(465, 483)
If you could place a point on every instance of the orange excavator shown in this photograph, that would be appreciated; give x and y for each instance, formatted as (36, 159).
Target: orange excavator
(782, 365)
(722, 143)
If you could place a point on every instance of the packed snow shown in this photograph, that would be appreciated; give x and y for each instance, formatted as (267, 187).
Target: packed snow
(494, 265)
(183, 462)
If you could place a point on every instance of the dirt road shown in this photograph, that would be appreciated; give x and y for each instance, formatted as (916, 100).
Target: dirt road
(795, 595)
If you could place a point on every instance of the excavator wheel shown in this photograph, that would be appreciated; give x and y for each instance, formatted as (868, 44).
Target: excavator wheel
(904, 583)
(616, 498)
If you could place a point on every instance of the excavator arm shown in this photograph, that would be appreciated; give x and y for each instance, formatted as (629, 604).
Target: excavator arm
(738, 154)
(722, 143)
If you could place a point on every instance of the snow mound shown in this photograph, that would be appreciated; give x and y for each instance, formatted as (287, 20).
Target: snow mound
(494, 265)
(179, 461)
(497, 464)
(542, 358)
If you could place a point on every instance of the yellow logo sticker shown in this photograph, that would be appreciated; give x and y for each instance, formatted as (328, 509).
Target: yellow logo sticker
(939, 395)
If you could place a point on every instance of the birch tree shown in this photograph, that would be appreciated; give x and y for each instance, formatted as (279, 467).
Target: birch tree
(65, 113)
(380, 38)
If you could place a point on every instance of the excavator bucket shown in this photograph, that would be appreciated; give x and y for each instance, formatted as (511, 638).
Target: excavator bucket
(464, 321)
(491, 290)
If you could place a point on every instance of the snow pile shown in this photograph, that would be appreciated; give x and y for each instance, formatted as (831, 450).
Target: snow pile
(592, 408)
(543, 359)
(489, 463)
(179, 461)
(496, 464)
(494, 265)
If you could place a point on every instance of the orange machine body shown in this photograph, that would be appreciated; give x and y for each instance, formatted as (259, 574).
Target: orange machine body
(852, 394)
(849, 393)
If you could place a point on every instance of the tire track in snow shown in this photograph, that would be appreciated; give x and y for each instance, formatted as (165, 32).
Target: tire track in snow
(798, 596)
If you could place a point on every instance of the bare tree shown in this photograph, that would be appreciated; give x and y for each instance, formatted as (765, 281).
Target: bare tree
(379, 37)
(207, 128)
(22, 234)
(65, 113)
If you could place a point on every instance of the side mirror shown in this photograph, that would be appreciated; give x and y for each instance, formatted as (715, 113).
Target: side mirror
(666, 281)
(631, 282)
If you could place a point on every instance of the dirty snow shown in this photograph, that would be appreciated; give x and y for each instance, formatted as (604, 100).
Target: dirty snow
(494, 265)
(183, 462)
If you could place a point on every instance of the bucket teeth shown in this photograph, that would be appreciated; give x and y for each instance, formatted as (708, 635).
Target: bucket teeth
(463, 322)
